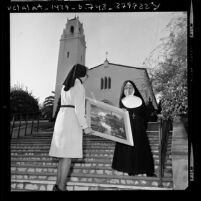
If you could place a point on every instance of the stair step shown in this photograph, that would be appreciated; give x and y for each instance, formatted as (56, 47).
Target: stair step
(98, 139)
(48, 135)
(77, 162)
(38, 139)
(99, 151)
(85, 149)
(32, 169)
(95, 179)
(34, 185)
(85, 146)
(105, 174)
(46, 152)
(40, 142)
(151, 133)
(86, 143)
(50, 125)
(86, 166)
(91, 168)
(86, 153)
(46, 147)
(86, 156)
(84, 160)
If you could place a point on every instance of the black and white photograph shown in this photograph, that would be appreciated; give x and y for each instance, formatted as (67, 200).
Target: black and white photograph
(99, 100)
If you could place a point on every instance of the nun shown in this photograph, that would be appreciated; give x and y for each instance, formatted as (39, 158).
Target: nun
(70, 123)
(134, 160)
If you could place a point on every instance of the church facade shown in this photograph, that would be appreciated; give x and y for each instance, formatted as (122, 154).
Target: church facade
(105, 80)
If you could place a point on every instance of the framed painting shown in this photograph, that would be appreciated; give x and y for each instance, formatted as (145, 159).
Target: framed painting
(109, 121)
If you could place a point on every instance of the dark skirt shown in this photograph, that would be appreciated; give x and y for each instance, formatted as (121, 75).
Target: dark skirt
(135, 159)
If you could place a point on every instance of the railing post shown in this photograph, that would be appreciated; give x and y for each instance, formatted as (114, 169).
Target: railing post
(38, 121)
(19, 126)
(32, 124)
(13, 122)
(160, 151)
(26, 124)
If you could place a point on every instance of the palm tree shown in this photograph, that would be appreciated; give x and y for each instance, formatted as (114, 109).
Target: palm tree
(47, 108)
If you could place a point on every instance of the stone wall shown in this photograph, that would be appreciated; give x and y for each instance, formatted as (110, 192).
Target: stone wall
(179, 155)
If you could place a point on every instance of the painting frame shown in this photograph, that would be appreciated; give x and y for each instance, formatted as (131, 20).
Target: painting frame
(109, 122)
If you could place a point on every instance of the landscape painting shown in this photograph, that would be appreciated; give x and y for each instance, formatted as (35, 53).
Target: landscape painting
(109, 121)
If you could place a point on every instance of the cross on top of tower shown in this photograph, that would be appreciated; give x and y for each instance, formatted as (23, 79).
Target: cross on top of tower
(106, 61)
(106, 54)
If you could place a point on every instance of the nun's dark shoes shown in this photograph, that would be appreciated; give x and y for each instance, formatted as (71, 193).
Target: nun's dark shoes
(151, 175)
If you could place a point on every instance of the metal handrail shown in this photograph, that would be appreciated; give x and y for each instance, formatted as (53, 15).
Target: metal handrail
(160, 150)
(164, 129)
(13, 123)
(26, 124)
(27, 117)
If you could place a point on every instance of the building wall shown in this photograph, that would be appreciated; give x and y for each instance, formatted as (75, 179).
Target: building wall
(118, 74)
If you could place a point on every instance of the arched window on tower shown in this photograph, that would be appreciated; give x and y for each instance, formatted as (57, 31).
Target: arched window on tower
(68, 54)
(109, 83)
(72, 29)
(105, 83)
(102, 83)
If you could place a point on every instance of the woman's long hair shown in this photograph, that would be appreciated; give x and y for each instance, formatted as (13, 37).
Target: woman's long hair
(136, 93)
(77, 71)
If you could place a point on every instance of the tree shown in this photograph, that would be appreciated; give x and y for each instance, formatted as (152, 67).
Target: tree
(47, 108)
(168, 69)
(22, 101)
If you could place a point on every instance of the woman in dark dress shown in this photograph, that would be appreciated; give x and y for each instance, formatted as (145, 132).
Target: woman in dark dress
(137, 159)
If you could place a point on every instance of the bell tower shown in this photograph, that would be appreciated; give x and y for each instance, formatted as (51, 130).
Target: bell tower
(72, 51)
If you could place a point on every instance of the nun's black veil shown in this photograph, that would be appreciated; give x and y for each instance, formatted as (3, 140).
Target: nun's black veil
(77, 71)
(138, 94)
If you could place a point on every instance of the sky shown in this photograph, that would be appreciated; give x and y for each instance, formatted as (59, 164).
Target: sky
(35, 38)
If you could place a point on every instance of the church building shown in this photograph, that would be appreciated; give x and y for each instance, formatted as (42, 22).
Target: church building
(105, 80)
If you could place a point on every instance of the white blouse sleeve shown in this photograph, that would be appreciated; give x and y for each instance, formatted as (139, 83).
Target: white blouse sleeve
(79, 98)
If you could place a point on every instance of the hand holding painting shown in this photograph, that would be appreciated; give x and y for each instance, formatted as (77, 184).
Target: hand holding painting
(93, 96)
(124, 109)
(88, 130)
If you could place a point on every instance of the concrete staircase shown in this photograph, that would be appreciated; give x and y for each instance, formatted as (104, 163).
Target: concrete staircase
(33, 170)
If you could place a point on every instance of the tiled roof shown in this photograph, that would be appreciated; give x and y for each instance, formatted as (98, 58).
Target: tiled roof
(120, 66)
